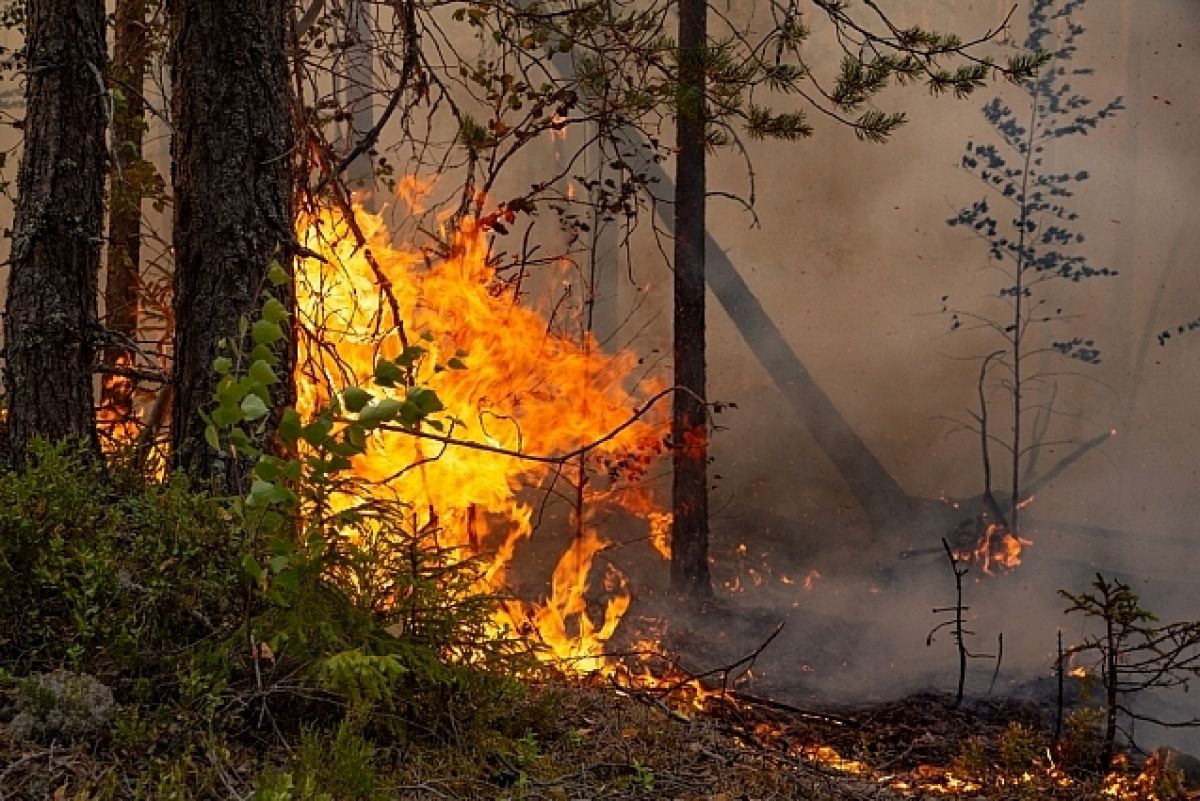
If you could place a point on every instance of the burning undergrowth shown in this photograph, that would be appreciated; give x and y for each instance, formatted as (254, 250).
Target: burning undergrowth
(539, 426)
(524, 407)
(926, 745)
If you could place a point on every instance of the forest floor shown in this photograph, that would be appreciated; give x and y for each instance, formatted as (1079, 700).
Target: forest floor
(605, 742)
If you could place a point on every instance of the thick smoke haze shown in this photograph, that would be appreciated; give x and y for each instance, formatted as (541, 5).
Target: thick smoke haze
(850, 257)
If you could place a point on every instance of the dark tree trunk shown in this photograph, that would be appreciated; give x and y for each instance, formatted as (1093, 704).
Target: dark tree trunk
(50, 323)
(689, 429)
(130, 51)
(233, 196)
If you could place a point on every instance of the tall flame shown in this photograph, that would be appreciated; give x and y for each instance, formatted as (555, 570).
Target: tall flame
(526, 388)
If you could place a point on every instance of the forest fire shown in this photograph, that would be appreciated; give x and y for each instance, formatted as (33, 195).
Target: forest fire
(517, 391)
(997, 548)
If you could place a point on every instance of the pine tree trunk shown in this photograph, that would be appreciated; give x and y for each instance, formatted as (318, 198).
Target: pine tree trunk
(50, 322)
(233, 196)
(689, 429)
(130, 51)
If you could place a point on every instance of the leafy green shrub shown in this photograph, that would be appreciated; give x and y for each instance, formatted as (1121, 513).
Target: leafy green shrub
(109, 583)
(353, 598)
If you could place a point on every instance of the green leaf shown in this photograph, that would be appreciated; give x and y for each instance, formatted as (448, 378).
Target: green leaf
(210, 436)
(288, 581)
(273, 311)
(268, 469)
(251, 567)
(260, 492)
(355, 398)
(382, 411)
(261, 353)
(356, 437)
(277, 275)
(289, 426)
(426, 400)
(222, 365)
(408, 357)
(388, 373)
(283, 495)
(266, 332)
(227, 415)
(316, 432)
(238, 438)
(261, 372)
(254, 408)
(292, 469)
(271, 521)
(229, 391)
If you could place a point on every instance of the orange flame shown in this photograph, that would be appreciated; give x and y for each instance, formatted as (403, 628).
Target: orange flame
(997, 549)
(115, 427)
(525, 389)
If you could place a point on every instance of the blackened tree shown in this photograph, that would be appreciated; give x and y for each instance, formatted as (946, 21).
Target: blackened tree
(50, 326)
(689, 420)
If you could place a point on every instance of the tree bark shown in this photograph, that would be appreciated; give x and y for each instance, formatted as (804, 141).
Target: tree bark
(689, 425)
(130, 52)
(233, 197)
(50, 322)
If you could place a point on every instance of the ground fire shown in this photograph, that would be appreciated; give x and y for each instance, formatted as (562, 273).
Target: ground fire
(514, 388)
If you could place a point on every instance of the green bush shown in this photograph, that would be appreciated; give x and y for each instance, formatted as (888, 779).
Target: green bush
(105, 582)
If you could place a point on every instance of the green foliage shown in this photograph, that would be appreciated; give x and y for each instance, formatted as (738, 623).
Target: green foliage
(1082, 738)
(1134, 652)
(338, 765)
(367, 609)
(108, 582)
(1020, 747)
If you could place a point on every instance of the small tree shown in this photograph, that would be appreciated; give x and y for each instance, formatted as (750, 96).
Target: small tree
(1134, 653)
(1033, 250)
(957, 625)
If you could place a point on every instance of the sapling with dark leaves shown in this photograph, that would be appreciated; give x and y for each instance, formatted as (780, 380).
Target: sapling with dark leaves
(1034, 251)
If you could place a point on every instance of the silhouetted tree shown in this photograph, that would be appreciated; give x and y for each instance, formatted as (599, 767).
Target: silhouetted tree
(689, 423)
(716, 84)
(1031, 237)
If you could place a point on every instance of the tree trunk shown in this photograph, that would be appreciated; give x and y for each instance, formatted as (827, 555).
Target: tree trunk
(233, 197)
(358, 96)
(689, 428)
(130, 51)
(50, 322)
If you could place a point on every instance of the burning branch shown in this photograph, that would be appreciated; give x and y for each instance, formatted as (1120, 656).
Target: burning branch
(542, 458)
